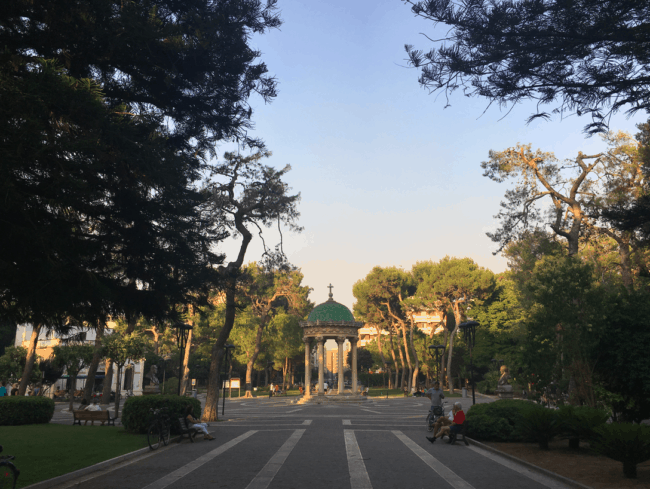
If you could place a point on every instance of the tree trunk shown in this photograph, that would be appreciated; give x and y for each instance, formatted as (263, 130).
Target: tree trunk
(401, 359)
(392, 352)
(73, 384)
(118, 390)
(185, 380)
(259, 378)
(253, 359)
(440, 368)
(266, 377)
(450, 380)
(416, 370)
(285, 370)
(108, 382)
(31, 357)
(381, 354)
(94, 364)
(408, 358)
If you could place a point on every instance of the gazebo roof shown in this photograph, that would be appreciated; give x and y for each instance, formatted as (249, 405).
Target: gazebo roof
(330, 311)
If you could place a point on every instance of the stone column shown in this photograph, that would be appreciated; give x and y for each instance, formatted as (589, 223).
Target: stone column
(353, 365)
(341, 341)
(307, 366)
(321, 365)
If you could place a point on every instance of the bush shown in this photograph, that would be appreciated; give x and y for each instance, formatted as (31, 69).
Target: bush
(623, 442)
(170, 386)
(508, 410)
(540, 424)
(578, 423)
(136, 414)
(489, 383)
(487, 428)
(17, 410)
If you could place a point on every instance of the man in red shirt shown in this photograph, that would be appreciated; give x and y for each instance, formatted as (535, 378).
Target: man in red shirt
(456, 425)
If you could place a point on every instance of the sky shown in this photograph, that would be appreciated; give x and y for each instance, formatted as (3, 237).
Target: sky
(387, 175)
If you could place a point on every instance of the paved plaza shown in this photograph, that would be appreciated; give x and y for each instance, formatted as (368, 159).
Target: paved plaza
(275, 443)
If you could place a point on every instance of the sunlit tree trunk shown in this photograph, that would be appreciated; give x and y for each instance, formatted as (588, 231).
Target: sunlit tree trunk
(94, 364)
(31, 357)
(108, 382)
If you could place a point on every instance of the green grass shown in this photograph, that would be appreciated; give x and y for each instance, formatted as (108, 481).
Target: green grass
(44, 451)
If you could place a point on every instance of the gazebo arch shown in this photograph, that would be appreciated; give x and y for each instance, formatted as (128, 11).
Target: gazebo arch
(330, 320)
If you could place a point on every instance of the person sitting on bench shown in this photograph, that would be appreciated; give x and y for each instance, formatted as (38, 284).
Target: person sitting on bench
(192, 422)
(445, 420)
(456, 425)
(93, 407)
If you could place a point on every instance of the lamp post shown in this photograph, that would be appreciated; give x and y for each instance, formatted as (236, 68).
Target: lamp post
(182, 333)
(227, 364)
(469, 329)
(440, 350)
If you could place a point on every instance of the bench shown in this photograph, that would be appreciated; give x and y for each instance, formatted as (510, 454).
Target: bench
(463, 432)
(186, 430)
(92, 416)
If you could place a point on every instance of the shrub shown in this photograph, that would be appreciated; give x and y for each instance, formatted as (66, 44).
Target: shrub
(487, 428)
(136, 414)
(16, 410)
(509, 410)
(170, 386)
(578, 423)
(540, 424)
(623, 442)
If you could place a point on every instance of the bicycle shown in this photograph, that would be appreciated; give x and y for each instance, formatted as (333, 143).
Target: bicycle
(159, 429)
(435, 412)
(8, 472)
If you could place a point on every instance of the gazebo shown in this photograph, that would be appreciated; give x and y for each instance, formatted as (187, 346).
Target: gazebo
(330, 320)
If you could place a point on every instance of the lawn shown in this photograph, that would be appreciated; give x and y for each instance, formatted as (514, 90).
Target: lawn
(44, 451)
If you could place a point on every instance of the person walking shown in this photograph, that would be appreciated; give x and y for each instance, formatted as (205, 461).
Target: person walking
(3, 389)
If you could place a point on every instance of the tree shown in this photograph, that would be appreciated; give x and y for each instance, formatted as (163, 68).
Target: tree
(580, 191)
(452, 283)
(74, 358)
(121, 348)
(364, 359)
(109, 112)
(12, 365)
(286, 341)
(244, 192)
(587, 57)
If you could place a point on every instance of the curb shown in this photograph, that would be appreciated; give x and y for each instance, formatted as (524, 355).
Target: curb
(528, 465)
(94, 468)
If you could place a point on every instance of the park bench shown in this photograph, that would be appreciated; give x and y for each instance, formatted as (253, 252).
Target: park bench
(92, 416)
(454, 436)
(186, 430)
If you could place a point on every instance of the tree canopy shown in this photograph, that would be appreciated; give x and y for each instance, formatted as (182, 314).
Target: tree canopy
(586, 57)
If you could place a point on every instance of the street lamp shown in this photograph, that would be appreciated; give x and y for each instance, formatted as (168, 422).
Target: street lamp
(440, 350)
(182, 333)
(469, 329)
(228, 349)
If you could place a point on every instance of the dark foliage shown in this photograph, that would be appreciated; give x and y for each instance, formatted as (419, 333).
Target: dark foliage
(18, 410)
(579, 423)
(136, 414)
(624, 442)
(491, 416)
(540, 424)
(588, 57)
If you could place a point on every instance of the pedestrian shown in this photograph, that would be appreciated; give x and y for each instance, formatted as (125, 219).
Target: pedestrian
(456, 426)
(436, 395)
(3, 389)
(195, 423)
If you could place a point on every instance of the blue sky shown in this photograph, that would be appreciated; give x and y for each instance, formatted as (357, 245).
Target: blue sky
(388, 176)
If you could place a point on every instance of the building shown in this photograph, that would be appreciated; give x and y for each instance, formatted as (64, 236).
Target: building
(429, 323)
(132, 373)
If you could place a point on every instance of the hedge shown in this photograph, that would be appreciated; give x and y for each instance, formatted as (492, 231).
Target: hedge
(136, 414)
(17, 410)
(498, 421)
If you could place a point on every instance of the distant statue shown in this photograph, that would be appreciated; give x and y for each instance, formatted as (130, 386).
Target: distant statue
(152, 375)
(505, 376)
(504, 389)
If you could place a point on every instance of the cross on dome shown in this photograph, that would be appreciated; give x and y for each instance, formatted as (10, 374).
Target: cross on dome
(330, 286)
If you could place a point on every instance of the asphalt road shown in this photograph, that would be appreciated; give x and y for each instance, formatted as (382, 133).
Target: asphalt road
(274, 443)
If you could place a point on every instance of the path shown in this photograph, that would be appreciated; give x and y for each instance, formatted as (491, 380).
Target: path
(273, 443)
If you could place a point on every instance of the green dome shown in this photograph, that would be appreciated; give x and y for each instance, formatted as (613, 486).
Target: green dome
(330, 311)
